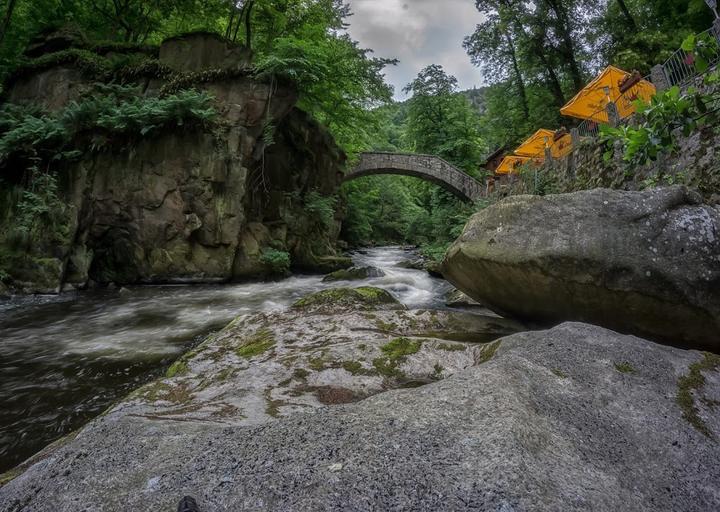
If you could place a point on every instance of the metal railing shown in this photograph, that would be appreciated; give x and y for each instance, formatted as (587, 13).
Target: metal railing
(680, 68)
(588, 128)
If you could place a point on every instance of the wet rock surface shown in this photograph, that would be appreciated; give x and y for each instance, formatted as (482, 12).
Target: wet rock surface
(641, 262)
(353, 274)
(575, 418)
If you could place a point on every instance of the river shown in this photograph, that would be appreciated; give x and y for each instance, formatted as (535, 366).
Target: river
(63, 360)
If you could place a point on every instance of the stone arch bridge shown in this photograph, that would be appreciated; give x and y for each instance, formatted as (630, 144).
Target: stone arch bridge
(426, 167)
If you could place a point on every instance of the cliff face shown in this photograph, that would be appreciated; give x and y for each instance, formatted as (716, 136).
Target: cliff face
(185, 205)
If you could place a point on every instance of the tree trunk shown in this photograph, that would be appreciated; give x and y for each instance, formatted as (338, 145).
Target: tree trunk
(628, 16)
(7, 20)
(568, 52)
(248, 24)
(519, 82)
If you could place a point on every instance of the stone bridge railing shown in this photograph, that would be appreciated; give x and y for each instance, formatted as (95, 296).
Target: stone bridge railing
(427, 167)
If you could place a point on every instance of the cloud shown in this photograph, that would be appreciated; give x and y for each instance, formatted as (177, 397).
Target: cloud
(419, 33)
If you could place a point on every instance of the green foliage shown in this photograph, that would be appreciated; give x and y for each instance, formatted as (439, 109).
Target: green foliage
(320, 209)
(88, 62)
(658, 122)
(339, 83)
(111, 111)
(277, 262)
(40, 208)
(703, 50)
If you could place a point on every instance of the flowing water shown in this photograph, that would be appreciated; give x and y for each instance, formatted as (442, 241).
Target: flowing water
(65, 359)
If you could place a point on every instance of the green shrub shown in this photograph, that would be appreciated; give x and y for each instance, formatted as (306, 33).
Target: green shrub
(277, 262)
(320, 209)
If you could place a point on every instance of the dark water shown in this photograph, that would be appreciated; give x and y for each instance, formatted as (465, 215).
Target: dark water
(64, 360)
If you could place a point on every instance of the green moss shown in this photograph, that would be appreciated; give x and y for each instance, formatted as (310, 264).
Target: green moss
(451, 348)
(487, 352)
(388, 367)
(438, 369)
(386, 326)
(301, 373)
(363, 298)
(91, 64)
(395, 353)
(178, 368)
(192, 80)
(625, 367)
(260, 342)
(691, 383)
(356, 368)
(560, 373)
(401, 347)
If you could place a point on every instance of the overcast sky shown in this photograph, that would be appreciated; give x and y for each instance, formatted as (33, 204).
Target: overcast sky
(419, 33)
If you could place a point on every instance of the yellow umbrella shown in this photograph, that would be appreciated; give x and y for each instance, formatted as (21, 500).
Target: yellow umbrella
(562, 146)
(510, 164)
(536, 144)
(591, 101)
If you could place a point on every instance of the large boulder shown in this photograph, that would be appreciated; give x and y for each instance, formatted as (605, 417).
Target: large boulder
(646, 263)
(575, 418)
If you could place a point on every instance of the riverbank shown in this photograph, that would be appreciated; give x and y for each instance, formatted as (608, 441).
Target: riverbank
(65, 359)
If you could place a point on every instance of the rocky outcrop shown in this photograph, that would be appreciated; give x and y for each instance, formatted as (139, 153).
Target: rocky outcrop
(200, 51)
(189, 205)
(639, 262)
(577, 417)
(353, 274)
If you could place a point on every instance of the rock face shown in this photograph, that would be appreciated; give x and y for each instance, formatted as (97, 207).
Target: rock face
(640, 262)
(187, 205)
(575, 418)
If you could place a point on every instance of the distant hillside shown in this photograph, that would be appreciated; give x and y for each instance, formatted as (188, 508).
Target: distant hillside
(476, 97)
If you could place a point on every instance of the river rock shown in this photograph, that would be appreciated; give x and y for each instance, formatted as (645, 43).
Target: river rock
(641, 262)
(417, 264)
(354, 274)
(574, 418)
(457, 299)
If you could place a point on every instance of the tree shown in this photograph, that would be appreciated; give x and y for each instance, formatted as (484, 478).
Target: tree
(441, 121)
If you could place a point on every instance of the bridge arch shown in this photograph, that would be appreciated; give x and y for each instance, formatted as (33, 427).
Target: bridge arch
(426, 167)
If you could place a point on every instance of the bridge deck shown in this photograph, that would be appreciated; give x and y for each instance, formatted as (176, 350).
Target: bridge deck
(427, 167)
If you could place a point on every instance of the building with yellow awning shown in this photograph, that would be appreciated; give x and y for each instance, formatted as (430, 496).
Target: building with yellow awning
(612, 85)
(510, 164)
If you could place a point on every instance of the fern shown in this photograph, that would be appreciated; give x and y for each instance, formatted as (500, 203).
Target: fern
(112, 110)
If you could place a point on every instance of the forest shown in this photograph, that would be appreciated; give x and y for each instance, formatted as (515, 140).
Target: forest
(532, 61)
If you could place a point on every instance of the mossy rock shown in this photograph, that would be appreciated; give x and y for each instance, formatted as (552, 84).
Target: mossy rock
(354, 274)
(347, 299)
(327, 264)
